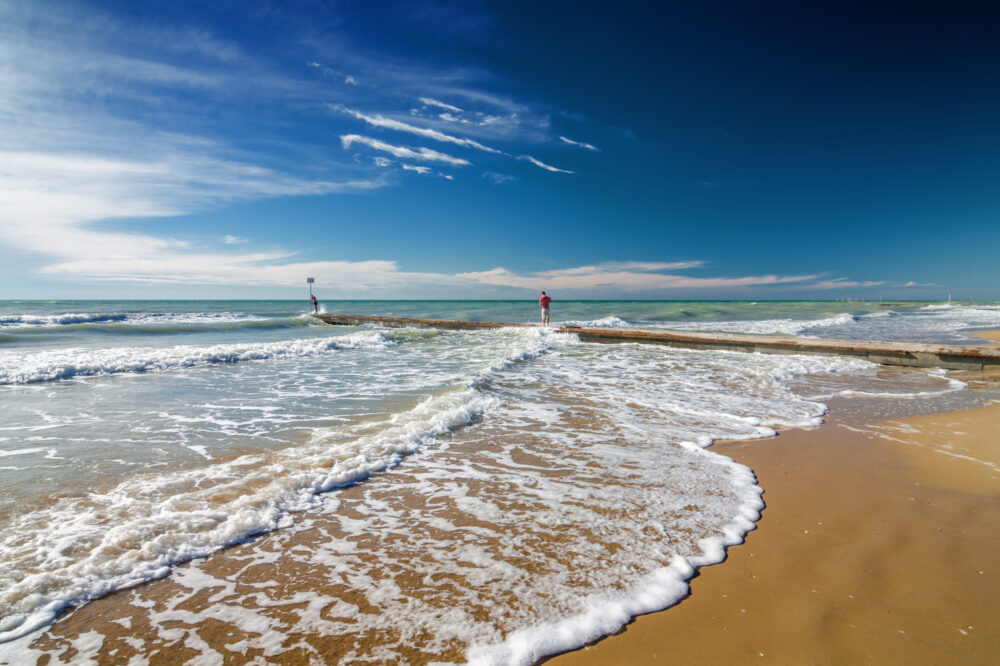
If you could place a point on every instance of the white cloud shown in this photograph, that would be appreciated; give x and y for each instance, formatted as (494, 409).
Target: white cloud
(379, 120)
(498, 178)
(418, 169)
(49, 204)
(427, 101)
(838, 283)
(424, 154)
(580, 144)
(275, 269)
(451, 118)
(543, 165)
(350, 80)
(233, 240)
(625, 277)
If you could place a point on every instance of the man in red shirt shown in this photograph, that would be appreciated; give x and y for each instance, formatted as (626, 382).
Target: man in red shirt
(544, 302)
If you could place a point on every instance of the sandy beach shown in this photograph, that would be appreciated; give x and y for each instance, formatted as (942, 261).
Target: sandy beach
(878, 545)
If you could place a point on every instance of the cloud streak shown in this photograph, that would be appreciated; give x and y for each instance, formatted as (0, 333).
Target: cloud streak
(427, 101)
(422, 154)
(379, 120)
(543, 165)
(840, 283)
(580, 144)
(627, 277)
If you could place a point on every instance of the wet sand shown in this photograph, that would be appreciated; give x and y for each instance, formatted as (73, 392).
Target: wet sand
(878, 545)
(990, 335)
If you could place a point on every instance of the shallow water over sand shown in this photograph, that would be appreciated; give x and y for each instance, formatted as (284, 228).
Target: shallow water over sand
(421, 496)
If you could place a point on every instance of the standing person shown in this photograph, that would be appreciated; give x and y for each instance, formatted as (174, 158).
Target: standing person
(544, 302)
(315, 303)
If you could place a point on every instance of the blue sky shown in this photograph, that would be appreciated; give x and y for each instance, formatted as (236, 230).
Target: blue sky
(491, 150)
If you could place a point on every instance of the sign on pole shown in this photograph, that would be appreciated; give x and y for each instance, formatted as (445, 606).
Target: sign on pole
(310, 281)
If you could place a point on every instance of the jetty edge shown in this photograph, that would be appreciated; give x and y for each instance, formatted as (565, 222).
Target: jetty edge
(884, 353)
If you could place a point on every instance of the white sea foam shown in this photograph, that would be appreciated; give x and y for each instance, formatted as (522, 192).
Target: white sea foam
(933, 324)
(138, 529)
(761, 326)
(10, 321)
(18, 367)
(598, 448)
(153, 322)
(604, 322)
(135, 531)
(20, 452)
(616, 491)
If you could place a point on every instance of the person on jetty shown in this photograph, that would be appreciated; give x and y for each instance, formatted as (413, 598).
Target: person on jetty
(312, 297)
(544, 302)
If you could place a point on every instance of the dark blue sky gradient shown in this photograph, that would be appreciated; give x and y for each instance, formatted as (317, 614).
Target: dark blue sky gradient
(838, 142)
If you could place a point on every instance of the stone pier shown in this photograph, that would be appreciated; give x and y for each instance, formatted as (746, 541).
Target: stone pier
(885, 353)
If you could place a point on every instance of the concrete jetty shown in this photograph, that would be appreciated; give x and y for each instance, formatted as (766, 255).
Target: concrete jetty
(885, 353)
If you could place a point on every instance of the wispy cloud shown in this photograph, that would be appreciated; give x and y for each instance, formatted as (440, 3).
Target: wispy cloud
(625, 277)
(498, 178)
(65, 195)
(841, 283)
(379, 120)
(543, 165)
(912, 283)
(386, 277)
(418, 169)
(346, 78)
(423, 154)
(229, 239)
(427, 101)
(580, 144)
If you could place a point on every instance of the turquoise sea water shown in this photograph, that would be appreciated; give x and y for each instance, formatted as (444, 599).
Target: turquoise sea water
(136, 435)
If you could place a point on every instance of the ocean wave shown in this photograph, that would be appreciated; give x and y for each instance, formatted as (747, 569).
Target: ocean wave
(136, 531)
(24, 320)
(50, 365)
(762, 326)
(604, 322)
(145, 322)
(139, 529)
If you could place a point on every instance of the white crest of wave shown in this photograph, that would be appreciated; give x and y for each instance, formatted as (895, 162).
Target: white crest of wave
(763, 326)
(24, 320)
(48, 365)
(132, 318)
(604, 322)
(138, 529)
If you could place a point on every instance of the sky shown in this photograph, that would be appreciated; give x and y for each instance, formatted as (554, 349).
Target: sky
(463, 149)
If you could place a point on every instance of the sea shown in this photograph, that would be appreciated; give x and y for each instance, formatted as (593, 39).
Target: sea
(238, 482)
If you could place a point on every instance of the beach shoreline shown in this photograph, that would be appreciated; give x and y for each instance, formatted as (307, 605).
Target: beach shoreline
(875, 546)
(223, 603)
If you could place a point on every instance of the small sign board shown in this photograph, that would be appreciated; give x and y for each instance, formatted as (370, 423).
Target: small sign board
(310, 280)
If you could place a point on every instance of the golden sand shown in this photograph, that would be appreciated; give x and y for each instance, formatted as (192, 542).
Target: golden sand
(990, 335)
(878, 545)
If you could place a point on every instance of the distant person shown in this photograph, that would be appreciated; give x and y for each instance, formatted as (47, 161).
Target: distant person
(544, 302)
(312, 297)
